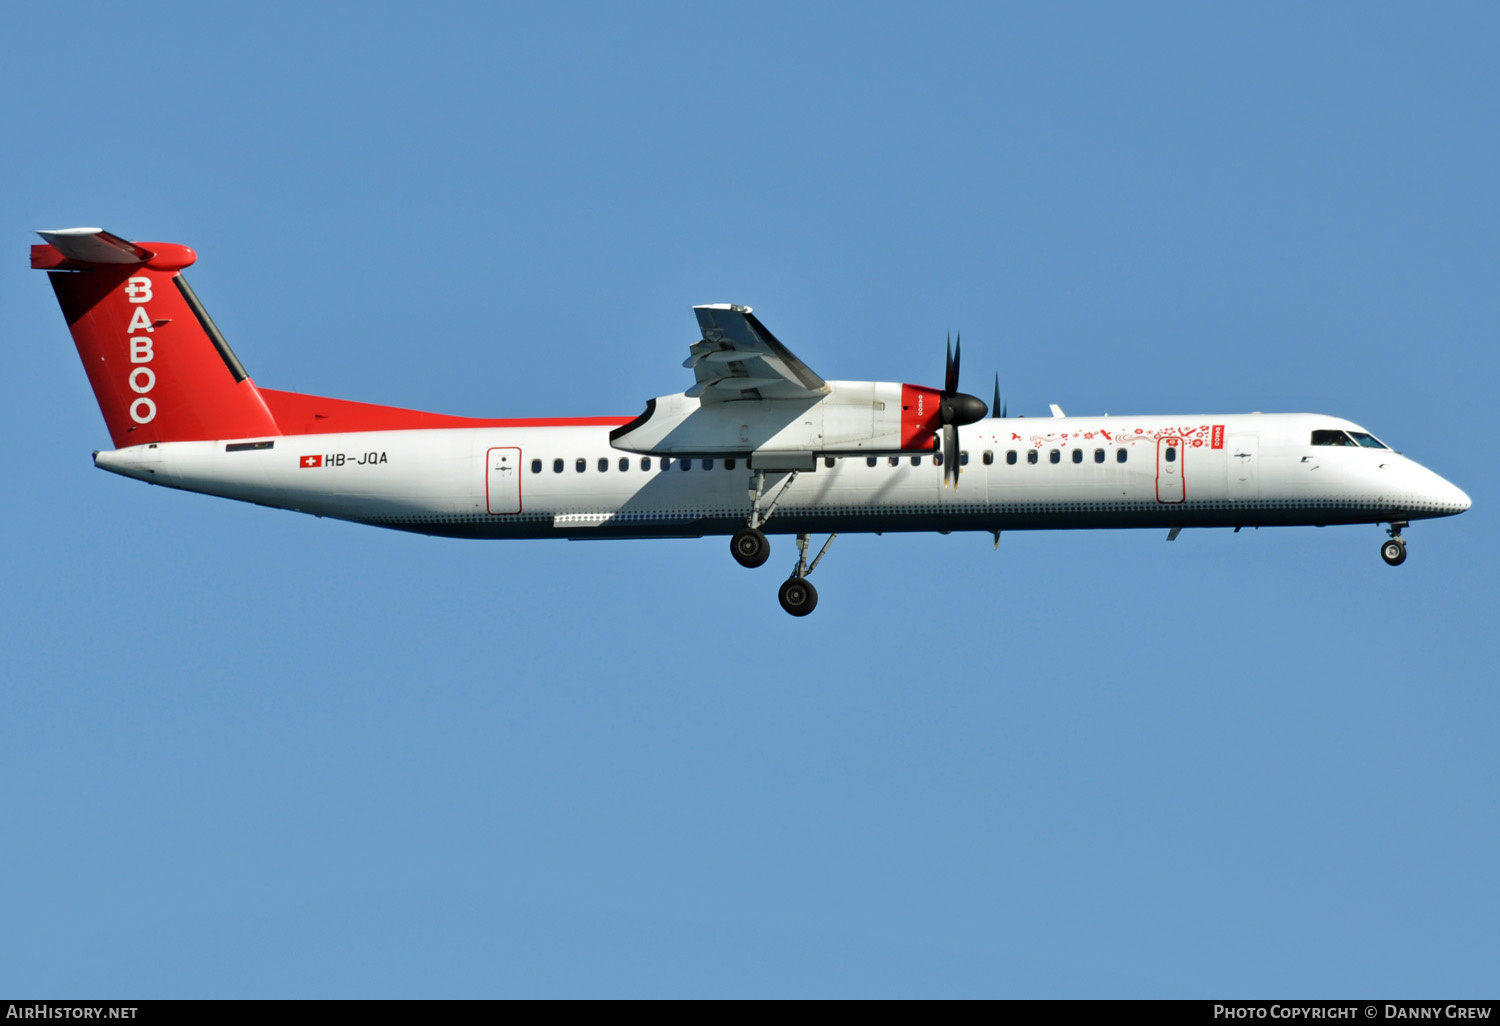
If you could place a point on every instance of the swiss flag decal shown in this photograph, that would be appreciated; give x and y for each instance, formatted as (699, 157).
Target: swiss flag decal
(311, 461)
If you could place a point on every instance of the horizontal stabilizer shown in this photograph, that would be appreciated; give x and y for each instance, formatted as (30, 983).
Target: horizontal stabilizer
(95, 246)
(94, 249)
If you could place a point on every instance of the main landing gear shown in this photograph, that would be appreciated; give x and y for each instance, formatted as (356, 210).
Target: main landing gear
(751, 549)
(797, 595)
(1394, 551)
(749, 545)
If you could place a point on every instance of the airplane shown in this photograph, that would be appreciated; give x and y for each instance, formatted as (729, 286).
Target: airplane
(759, 444)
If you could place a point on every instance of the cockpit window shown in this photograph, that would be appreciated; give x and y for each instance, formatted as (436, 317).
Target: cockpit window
(1331, 438)
(1368, 440)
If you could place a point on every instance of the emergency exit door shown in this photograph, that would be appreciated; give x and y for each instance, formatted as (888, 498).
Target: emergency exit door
(1244, 454)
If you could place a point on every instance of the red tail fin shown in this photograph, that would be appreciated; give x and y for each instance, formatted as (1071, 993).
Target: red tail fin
(160, 369)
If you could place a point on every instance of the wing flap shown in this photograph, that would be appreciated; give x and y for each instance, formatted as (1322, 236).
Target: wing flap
(739, 358)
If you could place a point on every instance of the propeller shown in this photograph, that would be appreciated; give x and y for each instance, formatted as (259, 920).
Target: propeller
(997, 407)
(955, 410)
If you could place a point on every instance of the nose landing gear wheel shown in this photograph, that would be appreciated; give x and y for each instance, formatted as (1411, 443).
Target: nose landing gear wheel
(1393, 552)
(750, 547)
(798, 596)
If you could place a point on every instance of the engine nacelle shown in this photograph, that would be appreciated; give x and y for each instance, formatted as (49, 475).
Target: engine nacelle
(854, 418)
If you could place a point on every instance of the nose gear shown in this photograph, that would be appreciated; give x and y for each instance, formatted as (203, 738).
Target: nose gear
(1394, 551)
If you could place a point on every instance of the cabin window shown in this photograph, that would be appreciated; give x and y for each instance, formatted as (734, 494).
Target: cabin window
(937, 459)
(603, 464)
(1098, 455)
(580, 464)
(895, 461)
(963, 458)
(729, 463)
(1055, 457)
(1331, 438)
(870, 461)
(1171, 454)
(916, 461)
(828, 462)
(624, 464)
(1010, 457)
(1030, 455)
(557, 466)
(989, 457)
(536, 466)
(666, 462)
(708, 464)
(1119, 455)
(645, 462)
(686, 465)
(1077, 455)
(1368, 440)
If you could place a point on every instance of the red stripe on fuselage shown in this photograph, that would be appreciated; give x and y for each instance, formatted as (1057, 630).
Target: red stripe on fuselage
(298, 414)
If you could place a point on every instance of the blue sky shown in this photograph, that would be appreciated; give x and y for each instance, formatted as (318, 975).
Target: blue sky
(249, 753)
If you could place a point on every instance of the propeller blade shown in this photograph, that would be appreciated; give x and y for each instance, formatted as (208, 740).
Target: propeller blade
(957, 409)
(950, 379)
(995, 407)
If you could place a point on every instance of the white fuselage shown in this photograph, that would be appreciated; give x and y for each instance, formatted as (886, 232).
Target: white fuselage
(532, 482)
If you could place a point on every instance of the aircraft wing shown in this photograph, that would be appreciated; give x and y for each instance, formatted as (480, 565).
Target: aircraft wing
(737, 358)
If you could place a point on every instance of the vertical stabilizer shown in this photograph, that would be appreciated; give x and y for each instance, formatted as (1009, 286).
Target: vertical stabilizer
(160, 369)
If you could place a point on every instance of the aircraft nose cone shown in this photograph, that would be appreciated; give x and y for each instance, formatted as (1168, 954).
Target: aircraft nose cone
(1460, 498)
(964, 409)
(1446, 496)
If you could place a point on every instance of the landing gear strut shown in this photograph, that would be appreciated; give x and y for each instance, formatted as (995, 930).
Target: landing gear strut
(797, 595)
(1394, 551)
(751, 549)
(749, 545)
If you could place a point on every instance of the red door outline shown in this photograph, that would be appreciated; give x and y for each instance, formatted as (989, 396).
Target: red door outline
(502, 480)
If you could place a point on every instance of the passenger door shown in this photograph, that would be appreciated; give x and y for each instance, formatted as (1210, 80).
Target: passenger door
(1171, 484)
(503, 480)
